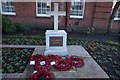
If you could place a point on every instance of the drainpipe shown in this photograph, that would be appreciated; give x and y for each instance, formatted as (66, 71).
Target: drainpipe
(66, 17)
(93, 14)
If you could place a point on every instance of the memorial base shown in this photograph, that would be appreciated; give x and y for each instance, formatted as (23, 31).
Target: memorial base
(56, 42)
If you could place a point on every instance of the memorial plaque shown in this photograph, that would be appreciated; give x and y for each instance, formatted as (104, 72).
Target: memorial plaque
(56, 41)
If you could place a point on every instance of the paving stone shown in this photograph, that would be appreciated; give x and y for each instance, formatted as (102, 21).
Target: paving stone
(19, 46)
(39, 50)
(28, 71)
(91, 70)
(65, 74)
(78, 51)
(72, 50)
(11, 75)
(53, 69)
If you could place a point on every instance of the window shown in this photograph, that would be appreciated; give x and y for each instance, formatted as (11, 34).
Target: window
(42, 7)
(8, 7)
(117, 16)
(77, 8)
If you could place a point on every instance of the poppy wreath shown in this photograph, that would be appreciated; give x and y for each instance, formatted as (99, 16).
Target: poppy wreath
(41, 75)
(53, 58)
(69, 60)
(46, 67)
(76, 61)
(62, 65)
(35, 57)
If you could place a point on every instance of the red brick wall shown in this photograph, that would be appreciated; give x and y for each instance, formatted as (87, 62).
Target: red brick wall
(26, 13)
(116, 26)
(96, 15)
(101, 17)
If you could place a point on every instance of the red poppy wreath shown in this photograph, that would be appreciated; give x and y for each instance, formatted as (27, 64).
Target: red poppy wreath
(62, 65)
(76, 61)
(41, 75)
(53, 58)
(35, 57)
(44, 67)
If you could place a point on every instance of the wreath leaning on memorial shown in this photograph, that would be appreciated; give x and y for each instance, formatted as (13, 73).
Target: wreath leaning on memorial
(42, 65)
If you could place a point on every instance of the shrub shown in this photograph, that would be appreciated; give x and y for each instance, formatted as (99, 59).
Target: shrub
(7, 26)
(22, 27)
(84, 30)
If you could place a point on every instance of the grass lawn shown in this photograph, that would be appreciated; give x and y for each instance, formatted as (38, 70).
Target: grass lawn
(106, 54)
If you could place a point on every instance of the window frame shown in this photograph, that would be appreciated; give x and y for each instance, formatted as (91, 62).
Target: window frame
(41, 15)
(6, 13)
(116, 18)
(79, 17)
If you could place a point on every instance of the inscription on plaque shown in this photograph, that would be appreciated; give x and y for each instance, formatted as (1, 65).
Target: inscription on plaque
(56, 41)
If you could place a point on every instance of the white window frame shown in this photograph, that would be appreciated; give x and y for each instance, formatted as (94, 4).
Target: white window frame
(80, 17)
(41, 15)
(6, 13)
(116, 18)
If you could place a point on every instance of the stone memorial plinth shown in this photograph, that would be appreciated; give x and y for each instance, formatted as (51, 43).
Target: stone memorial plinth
(91, 70)
(56, 42)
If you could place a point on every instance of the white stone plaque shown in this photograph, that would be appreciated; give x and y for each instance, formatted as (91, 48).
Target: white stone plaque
(32, 62)
(52, 63)
(42, 63)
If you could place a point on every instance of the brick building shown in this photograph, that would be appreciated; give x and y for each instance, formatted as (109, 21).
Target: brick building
(79, 14)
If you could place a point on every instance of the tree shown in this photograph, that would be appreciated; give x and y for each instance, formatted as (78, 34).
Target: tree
(113, 13)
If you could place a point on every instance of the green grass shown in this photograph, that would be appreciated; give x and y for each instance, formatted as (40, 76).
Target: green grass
(112, 43)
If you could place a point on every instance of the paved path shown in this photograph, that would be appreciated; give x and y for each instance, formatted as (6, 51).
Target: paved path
(19, 46)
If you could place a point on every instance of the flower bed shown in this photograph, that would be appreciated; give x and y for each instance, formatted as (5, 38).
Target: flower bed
(107, 56)
(15, 60)
(23, 41)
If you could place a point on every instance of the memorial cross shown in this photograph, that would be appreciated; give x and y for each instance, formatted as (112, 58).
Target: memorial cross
(56, 13)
